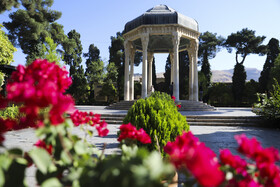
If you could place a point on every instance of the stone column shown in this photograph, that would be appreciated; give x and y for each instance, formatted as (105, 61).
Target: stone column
(126, 71)
(131, 81)
(145, 42)
(195, 86)
(150, 72)
(190, 75)
(176, 42)
(171, 55)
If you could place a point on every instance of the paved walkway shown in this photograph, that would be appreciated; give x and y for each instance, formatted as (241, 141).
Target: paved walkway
(215, 137)
(221, 111)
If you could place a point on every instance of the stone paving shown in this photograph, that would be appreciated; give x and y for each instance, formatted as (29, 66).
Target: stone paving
(215, 137)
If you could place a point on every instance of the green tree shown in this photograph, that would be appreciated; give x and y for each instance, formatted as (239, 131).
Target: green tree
(274, 74)
(72, 57)
(108, 88)
(154, 74)
(6, 52)
(50, 51)
(94, 70)
(183, 74)
(209, 45)
(251, 90)
(8, 4)
(6, 48)
(117, 56)
(245, 42)
(238, 82)
(167, 75)
(30, 26)
(272, 52)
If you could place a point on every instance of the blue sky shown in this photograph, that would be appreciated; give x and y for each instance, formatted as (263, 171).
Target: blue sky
(97, 21)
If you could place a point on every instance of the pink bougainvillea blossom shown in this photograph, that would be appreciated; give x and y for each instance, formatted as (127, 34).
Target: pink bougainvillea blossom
(187, 152)
(43, 145)
(128, 131)
(79, 117)
(41, 85)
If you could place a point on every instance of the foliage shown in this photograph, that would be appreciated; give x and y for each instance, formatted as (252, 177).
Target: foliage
(137, 89)
(135, 167)
(94, 71)
(2, 79)
(11, 112)
(108, 87)
(220, 94)
(6, 48)
(167, 74)
(60, 158)
(154, 74)
(274, 73)
(273, 51)
(245, 42)
(238, 82)
(49, 51)
(117, 56)
(269, 107)
(109, 90)
(251, 90)
(191, 156)
(31, 25)
(159, 117)
(209, 45)
(72, 57)
(8, 4)
(203, 86)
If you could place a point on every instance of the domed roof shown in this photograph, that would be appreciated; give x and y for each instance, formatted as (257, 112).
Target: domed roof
(161, 14)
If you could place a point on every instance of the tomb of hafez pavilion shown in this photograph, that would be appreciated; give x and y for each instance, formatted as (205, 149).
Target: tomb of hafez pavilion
(160, 29)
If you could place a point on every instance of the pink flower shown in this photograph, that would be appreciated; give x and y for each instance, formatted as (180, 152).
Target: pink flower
(42, 144)
(178, 106)
(128, 131)
(173, 98)
(38, 86)
(186, 151)
(102, 129)
(79, 118)
(249, 147)
(236, 162)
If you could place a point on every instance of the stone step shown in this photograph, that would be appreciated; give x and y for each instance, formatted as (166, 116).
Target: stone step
(201, 120)
(185, 105)
(113, 121)
(223, 124)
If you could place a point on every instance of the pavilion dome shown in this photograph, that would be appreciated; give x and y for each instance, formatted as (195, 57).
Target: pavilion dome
(161, 14)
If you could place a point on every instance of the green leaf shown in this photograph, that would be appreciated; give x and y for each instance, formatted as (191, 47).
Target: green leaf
(80, 148)
(65, 158)
(2, 177)
(42, 159)
(16, 151)
(53, 182)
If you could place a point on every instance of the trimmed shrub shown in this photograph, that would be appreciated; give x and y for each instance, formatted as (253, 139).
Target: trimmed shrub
(269, 107)
(11, 112)
(159, 117)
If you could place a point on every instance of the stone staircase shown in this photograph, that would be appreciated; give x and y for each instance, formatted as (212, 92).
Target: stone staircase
(185, 105)
(200, 120)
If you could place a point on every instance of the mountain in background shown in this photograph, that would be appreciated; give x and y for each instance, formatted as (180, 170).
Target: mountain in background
(218, 75)
(226, 75)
